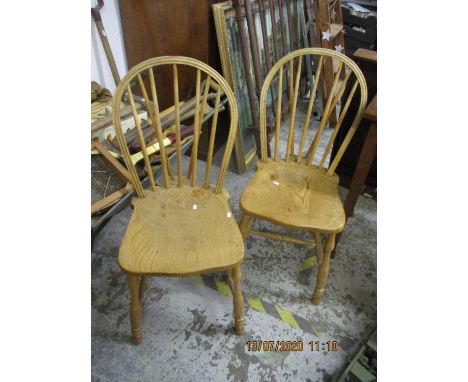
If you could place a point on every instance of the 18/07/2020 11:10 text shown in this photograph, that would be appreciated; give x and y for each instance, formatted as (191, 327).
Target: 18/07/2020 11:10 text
(254, 345)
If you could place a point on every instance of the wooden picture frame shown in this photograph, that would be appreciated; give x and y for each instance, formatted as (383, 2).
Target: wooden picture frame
(244, 146)
(229, 44)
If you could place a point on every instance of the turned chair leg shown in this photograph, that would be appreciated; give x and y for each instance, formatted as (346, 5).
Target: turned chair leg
(318, 248)
(245, 225)
(230, 280)
(324, 266)
(142, 289)
(135, 308)
(238, 300)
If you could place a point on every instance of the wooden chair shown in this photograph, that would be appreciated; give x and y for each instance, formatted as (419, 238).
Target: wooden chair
(182, 226)
(292, 191)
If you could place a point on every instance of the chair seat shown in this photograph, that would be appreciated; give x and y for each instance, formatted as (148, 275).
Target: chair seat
(167, 235)
(294, 195)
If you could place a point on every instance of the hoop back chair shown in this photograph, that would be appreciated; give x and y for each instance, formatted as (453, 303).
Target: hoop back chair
(182, 226)
(292, 191)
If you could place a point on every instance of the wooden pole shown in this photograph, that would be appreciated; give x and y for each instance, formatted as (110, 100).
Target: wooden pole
(105, 42)
(248, 78)
(273, 28)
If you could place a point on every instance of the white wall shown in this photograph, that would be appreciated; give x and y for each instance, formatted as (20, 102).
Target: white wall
(100, 71)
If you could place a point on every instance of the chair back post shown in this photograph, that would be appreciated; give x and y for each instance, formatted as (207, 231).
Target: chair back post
(338, 88)
(213, 80)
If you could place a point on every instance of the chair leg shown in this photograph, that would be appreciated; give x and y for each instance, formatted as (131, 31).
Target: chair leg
(135, 308)
(230, 280)
(322, 275)
(318, 248)
(142, 289)
(238, 300)
(245, 225)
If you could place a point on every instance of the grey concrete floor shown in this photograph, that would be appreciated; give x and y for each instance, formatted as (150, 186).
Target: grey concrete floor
(188, 327)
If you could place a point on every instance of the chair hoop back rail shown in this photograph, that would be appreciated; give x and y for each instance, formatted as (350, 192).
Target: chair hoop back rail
(337, 91)
(165, 235)
(213, 80)
(292, 191)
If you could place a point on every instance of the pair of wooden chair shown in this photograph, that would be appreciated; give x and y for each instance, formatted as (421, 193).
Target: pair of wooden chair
(184, 225)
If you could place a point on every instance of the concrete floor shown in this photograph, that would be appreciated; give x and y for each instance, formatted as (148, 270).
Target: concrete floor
(188, 326)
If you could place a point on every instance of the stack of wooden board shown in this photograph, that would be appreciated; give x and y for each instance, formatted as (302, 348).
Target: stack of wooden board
(360, 28)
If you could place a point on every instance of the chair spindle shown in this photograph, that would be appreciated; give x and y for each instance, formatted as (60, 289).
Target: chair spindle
(315, 142)
(349, 135)
(290, 148)
(162, 149)
(291, 82)
(193, 158)
(338, 124)
(313, 93)
(278, 113)
(339, 93)
(177, 124)
(205, 98)
(214, 124)
(149, 107)
(141, 139)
